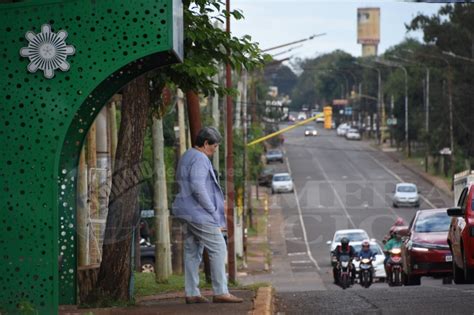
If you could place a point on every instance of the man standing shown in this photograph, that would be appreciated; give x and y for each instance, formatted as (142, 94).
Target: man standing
(200, 206)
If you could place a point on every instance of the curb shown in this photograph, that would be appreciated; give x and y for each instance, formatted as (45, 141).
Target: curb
(263, 303)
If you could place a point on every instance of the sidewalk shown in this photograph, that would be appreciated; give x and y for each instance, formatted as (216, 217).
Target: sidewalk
(259, 302)
(173, 303)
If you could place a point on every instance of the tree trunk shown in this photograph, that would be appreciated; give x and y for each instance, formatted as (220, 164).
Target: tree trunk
(194, 113)
(160, 205)
(115, 269)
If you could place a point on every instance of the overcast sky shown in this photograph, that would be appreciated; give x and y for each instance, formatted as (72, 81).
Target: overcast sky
(276, 22)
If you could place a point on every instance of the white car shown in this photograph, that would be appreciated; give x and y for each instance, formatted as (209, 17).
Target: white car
(354, 235)
(310, 131)
(282, 182)
(352, 134)
(342, 129)
(302, 116)
(406, 194)
(379, 269)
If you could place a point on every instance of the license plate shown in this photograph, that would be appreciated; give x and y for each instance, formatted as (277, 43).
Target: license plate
(448, 258)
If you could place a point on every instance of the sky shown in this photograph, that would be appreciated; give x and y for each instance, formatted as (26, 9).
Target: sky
(275, 22)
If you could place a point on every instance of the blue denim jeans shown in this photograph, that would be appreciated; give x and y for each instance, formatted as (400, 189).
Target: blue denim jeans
(196, 238)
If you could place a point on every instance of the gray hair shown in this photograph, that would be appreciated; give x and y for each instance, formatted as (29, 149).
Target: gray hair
(211, 134)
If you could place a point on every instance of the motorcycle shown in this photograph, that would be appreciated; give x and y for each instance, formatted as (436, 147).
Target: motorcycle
(366, 272)
(344, 271)
(394, 267)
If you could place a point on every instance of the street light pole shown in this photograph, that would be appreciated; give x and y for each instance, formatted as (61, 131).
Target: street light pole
(292, 43)
(394, 64)
(379, 98)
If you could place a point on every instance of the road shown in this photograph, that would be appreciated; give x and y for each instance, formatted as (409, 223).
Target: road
(343, 184)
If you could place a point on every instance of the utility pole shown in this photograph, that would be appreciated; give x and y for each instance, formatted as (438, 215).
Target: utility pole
(216, 120)
(247, 186)
(230, 166)
(427, 115)
(292, 43)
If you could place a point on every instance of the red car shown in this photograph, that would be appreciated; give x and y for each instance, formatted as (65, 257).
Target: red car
(425, 251)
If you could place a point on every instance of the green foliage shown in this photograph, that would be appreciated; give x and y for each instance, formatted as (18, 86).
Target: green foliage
(207, 46)
(145, 284)
(282, 77)
(323, 79)
(450, 30)
(255, 152)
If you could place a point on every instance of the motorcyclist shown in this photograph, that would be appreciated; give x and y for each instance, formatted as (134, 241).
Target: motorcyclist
(343, 249)
(366, 252)
(394, 242)
(398, 222)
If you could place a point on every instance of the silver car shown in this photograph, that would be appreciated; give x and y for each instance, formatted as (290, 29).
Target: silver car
(282, 182)
(406, 194)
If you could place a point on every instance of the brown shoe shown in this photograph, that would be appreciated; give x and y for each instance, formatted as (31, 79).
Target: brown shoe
(226, 298)
(196, 299)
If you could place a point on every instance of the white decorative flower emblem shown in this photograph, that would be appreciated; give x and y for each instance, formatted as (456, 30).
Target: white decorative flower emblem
(47, 51)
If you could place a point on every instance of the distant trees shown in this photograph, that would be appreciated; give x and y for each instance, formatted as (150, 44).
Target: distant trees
(450, 31)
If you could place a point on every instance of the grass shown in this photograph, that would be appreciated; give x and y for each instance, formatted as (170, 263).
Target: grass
(145, 284)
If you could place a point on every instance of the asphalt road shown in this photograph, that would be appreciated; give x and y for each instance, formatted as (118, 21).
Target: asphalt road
(343, 184)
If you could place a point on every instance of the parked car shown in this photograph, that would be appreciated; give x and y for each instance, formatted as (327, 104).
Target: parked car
(378, 263)
(266, 176)
(406, 194)
(282, 182)
(342, 129)
(302, 116)
(310, 131)
(461, 236)
(147, 257)
(352, 134)
(425, 251)
(274, 155)
(354, 235)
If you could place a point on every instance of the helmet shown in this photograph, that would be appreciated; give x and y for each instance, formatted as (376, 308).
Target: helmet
(344, 241)
(399, 222)
(365, 244)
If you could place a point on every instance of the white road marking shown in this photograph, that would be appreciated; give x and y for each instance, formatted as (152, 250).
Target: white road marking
(301, 261)
(400, 179)
(302, 224)
(336, 194)
(297, 254)
(293, 238)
